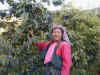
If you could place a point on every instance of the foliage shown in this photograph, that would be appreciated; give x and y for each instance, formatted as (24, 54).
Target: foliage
(19, 56)
(82, 30)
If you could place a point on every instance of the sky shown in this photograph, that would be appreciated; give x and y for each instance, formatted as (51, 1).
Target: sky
(81, 4)
(4, 7)
(86, 4)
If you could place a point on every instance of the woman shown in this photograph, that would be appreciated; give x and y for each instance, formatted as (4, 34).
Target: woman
(57, 52)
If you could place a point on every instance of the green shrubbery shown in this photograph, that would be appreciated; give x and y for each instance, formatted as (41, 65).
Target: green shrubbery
(19, 56)
(83, 33)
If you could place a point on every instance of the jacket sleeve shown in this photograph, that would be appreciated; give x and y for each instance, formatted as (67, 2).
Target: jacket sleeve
(41, 45)
(66, 59)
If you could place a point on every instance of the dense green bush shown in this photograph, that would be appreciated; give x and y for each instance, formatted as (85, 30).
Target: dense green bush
(83, 33)
(18, 55)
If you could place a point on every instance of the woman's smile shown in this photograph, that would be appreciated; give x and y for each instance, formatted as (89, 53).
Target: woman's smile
(56, 34)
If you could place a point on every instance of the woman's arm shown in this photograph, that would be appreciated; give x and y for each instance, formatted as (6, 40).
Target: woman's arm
(67, 59)
(41, 45)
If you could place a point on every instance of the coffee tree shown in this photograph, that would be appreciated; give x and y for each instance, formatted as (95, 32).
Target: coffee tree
(20, 57)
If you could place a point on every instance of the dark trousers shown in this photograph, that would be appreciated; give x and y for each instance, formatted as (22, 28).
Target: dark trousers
(51, 70)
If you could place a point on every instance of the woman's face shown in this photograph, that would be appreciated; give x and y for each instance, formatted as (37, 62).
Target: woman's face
(56, 34)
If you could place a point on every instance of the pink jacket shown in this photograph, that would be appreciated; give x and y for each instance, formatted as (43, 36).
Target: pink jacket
(64, 51)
